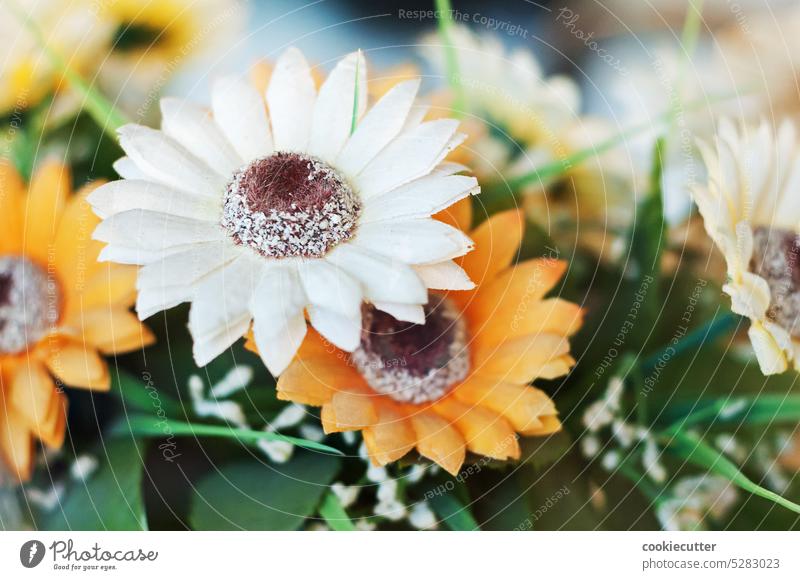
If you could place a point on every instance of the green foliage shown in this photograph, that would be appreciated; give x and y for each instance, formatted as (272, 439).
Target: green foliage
(453, 513)
(249, 495)
(334, 514)
(111, 499)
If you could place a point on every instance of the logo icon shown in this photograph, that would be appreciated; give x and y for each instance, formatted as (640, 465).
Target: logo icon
(31, 553)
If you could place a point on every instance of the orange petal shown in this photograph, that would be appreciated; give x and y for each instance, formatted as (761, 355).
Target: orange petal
(75, 252)
(496, 243)
(349, 411)
(77, 365)
(16, 443)
(113, 284)
(314, 381)
(485, 432)
(516, 290)
(114, 330)
(391, 437)
(47, 194)
(458, 215)
(12, 192)
(550, 424)
(520, 360)
(525, 407)
(439, 441)
(32, 396)
(554, 316)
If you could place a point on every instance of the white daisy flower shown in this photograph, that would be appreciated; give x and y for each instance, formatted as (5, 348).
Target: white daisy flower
(510, 87)
(751, 210)
(300, 201)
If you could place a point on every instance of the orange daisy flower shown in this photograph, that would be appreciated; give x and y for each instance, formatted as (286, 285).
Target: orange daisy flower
(59, 310)
(460, 382)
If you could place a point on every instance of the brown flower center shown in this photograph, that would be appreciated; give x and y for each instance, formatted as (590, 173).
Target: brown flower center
(776, 258)
(29, 304)
(414, 363)
(290, 205)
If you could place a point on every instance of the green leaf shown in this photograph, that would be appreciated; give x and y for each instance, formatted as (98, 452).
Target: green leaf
(334, 514)
(249, 495)
(761, 410)
(141, 394)
(690, 448)
(111, 498)
(451, 57)
(453, 513)
(155, 426)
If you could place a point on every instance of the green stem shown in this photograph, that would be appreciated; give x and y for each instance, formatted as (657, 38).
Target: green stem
(334, 514)
(451, 57)
(709, 332)
(107, 117)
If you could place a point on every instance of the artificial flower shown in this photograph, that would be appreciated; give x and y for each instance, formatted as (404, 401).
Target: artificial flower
(71, 28)
(458, 382)
(309, 205)
(752, 212)
(60, 310)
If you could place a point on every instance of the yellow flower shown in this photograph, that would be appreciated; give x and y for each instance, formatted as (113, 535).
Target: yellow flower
(69, 27)
(59, 310)
(751, 210)
(153, 38)
(459, 382)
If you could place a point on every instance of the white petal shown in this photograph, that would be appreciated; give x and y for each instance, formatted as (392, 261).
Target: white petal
(153, 300)
(330, 287)
(382, 278)
(445, 276)
(187, 267)
(151, 230)
(220, 312)
(449, 168)
(166, 161)
(127, 169)
(342, 95)
(423, 241)
(290, 96)
(403, 312)
(193, 127)
(278, 350)
(129, 194)
(421, 198)
(138, 256)
(277, 307)
(342, 331)
(408, 157)
(380, 125)
(241, 115)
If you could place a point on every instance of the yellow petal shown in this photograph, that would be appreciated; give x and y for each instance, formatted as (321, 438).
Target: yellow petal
(47, 194)
(520, 360)
(485, 432)
(78, 366)
(391, 437)
(16, 444)
(554, 316)
(439, 441)
(113, 284)
(32, 397)
(496, 243)
(74, 251)
(12, 192)
(515, 290)
(458, 215)
(114, 330)
(314, 381)
(522, 405)
(349, 411)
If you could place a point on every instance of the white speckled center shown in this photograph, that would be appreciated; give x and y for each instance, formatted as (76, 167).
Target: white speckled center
(29, 304)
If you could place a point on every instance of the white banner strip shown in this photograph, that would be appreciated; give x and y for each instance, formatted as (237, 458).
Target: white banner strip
(407, 555)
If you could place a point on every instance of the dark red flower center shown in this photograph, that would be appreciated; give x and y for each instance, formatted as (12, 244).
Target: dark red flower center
(776, 258)
(290, 205)
(414, 363)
